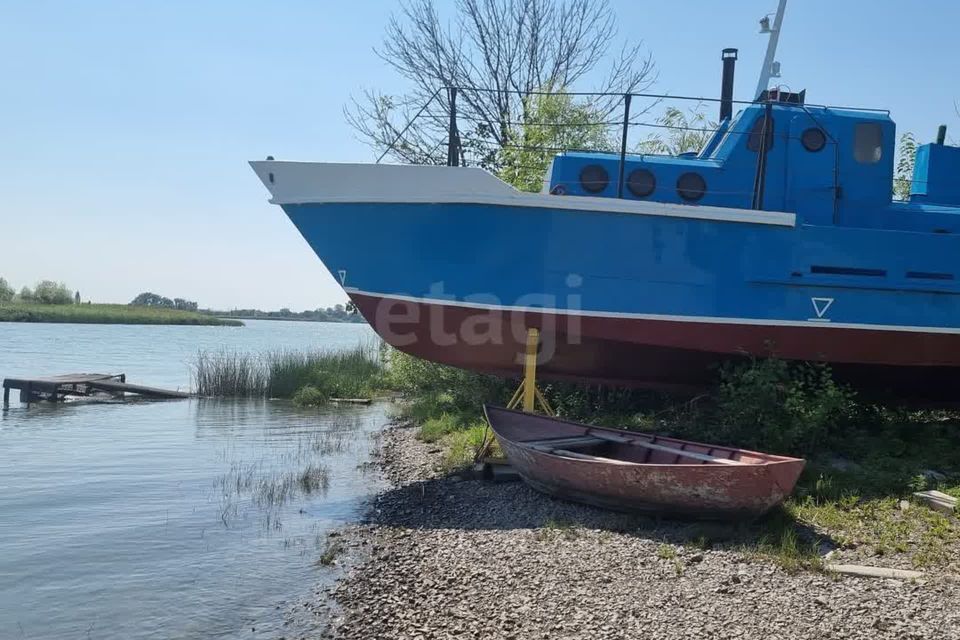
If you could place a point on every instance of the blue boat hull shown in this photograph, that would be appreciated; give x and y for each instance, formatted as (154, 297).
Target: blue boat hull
(643, 299)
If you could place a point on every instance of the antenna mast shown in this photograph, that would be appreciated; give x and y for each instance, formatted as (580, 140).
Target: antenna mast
(770, 68)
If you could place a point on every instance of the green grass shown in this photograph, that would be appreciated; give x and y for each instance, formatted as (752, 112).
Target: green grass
(333, 549)
(354, 373)
(462, 434)
(553, 530)
(225, 374)
(433, 429)
(309, 378)
(107, 314)
(666, 552)
(862, 458)
(276, 490)
(464, 445)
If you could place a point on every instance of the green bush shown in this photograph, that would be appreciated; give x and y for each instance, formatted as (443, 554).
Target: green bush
(50, 292)
(6, 291)
(310, 396)
(780, 407)
(463, 391)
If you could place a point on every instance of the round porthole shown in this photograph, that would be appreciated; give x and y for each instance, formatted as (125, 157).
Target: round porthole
(691, 186)
(594, 178)
(813, 139)
(641, 182)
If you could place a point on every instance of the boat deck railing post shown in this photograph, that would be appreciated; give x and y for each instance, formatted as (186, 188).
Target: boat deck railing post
(453, 152)
(623, 142)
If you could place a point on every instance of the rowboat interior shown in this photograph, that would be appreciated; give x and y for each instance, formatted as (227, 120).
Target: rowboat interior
(602, 446)
(614, 446)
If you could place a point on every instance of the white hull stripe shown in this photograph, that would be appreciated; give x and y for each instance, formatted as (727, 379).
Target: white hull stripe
(811, 323)
(576, 203)
(333, 183)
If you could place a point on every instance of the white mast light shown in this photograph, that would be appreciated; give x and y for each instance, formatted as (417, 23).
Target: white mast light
(770, 68)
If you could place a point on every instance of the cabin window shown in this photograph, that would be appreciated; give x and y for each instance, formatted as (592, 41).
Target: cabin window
(691, 186)
(868, 143)
(756, 134)
(594, 178)
(813, 139)
(641, 182)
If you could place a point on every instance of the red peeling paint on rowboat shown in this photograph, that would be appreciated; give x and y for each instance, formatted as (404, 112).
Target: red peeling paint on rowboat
(652, 480)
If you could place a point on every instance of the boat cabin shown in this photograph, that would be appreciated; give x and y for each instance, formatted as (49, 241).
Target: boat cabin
(829, 166)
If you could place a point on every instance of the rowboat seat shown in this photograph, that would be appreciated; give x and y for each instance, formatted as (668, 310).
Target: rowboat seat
(562, 446)
(569, 441)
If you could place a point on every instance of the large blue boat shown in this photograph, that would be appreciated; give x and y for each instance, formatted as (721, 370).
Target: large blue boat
(779, 238)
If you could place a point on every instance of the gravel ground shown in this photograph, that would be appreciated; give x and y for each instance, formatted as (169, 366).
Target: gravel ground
(452, 558)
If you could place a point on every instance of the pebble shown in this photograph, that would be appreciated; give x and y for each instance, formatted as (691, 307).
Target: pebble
(467, 559)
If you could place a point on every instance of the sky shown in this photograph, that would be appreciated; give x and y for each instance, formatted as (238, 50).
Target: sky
(126, 126)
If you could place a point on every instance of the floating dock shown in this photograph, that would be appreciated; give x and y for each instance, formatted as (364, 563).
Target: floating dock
(57, 388)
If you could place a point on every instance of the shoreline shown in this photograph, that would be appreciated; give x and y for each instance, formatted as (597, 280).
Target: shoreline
(229, 317)
(447, 556)
(109, 314)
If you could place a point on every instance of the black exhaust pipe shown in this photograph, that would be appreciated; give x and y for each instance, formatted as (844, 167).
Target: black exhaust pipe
(729, 58)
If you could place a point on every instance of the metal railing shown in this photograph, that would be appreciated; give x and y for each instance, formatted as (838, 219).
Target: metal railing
(488, 134)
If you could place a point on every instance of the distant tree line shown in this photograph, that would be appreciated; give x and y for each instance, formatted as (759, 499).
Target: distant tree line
(148, 299)
(44, 292)
(336, 313)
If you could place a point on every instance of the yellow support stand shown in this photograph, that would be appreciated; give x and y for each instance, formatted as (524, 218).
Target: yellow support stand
(527, 394)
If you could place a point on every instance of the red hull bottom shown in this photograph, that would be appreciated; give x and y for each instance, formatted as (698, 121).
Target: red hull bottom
(661, 354)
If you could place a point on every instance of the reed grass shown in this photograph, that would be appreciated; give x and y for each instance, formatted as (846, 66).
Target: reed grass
(353, 373)
(310, 378)
(276, 490)
(226, 374)
(107, 314)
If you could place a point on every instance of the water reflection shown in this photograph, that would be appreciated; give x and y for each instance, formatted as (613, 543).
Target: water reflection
(173, 519)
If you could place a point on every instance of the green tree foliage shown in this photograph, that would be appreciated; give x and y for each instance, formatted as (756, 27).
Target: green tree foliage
(50, 292)
(184, 305)
(6, 291)
(336, 313)
(148, 299)
(906, 158)
(679, 132)
(26, 294)
(553, 122)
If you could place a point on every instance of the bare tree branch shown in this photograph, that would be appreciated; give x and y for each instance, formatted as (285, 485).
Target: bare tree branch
(499, 53)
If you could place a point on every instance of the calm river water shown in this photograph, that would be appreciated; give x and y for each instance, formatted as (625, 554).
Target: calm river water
(179, 519)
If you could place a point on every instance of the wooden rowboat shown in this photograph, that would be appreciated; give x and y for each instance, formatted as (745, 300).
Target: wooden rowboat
(631, 471)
